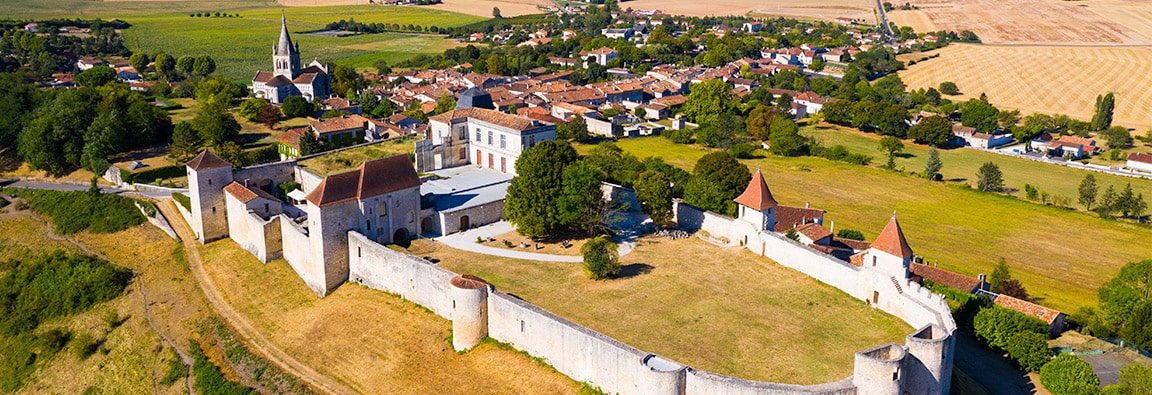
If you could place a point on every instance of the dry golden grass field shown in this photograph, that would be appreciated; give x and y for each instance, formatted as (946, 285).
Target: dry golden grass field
(137, 356)
(719, 309)
(1046, 79)
(367, 340)
(1036, 21)
(484, 7)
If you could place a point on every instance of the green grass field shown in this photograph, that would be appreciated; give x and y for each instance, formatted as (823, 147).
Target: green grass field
(962, 163)
(241, 46)
(35, 9)
(719, 309)
(1061, 256)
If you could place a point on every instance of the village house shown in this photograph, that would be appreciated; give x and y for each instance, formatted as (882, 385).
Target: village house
(1054, 319)
(1139, 162)
(600, 56)
(479, 136)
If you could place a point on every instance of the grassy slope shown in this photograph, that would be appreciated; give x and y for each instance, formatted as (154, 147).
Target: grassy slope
(1060, 255)
(717, 309)
(241, 46)
(367, 339)
(29, 9)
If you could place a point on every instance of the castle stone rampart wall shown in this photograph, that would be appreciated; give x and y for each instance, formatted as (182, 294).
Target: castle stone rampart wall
(276, 172)
(254, 234)
(700, 382)
(414, 279)
(299, 254)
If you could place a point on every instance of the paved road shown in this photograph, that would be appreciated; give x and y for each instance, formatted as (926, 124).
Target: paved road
(1007, 151)
(55, 186)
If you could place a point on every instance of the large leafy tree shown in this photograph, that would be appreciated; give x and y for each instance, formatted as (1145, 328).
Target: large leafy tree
(1102, 117)
(1126, 298)
(759, 122)
(654, 192)
(250, 109)
(445, 104)
(185, 64)
(216, 126)
(296, 106)
(708, 100)
(16, 97)
(1067, 374)
(164, 64)
(216, 91)
(203, 65)
(979, 114)
(185, 142)
(96, 76)
(575, 130)
(582, 201)
(934, 130)
(716, 180)
(1088, 190)
(601, 258)
(989, 178)
(139, 61)
(533, 202)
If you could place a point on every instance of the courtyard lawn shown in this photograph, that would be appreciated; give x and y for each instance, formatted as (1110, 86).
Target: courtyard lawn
(962, 164)
(1061, 256)
(349, 159)
(242, 46)
(719, 309)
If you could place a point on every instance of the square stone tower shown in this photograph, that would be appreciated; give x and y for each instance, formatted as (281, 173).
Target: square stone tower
(208, 174)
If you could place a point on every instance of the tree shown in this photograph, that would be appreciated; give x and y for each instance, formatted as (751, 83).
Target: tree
(979, 114)
(949, 88)
(216, 126)
(999, 274)
(582, 201)
(758, 122)
(989, 178)
(216, 91)
(716, 180)
(1117, 137)
(786, 139)
(1029, 350)
(1135, 379)
(1088, 191)
(186, 142)
(1102, 117)
(994, 326)
(1126, 294)
(139, 61)
(382, 67)
(186, 64)
(535, 192)
(310, 144)
(1137, 328)
(445, 104)
(204, 65)
(1012, 287)
(496, 12)
(164, 64)
(933, 165)
(96, 76)
(934, 130)
(654, 192)
(601, 258)
(707, 101)
(1068, 375)
(575, 130)
(892, 146)
(296, 106)
(250, 109)
(1107, 201)
(345, 78)
(496, 64)
(269, 115)
(850, 234)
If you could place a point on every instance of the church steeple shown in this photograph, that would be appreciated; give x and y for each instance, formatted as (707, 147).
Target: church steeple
(285, 56)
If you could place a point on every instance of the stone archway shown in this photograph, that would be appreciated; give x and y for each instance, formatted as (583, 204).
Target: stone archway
(400, 235)
(427, 225)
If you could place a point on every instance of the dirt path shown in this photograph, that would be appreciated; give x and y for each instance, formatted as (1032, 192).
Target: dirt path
(244, 330)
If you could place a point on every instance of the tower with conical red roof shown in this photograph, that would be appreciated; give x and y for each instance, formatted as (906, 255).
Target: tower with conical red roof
(756, 204)
(890, 252)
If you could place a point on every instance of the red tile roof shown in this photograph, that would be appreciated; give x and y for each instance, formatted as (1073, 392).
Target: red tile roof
(292, 136)
(813, 232)
(490, 116)
(207, 160)
(373, 178)
(245, 194)
(340, 124)
(1139, 157)
(1031, 309)
(757, 196)
(891, 240)
(788, 217)
(945, 277)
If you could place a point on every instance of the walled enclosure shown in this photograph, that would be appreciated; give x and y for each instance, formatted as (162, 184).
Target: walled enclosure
(588, 356)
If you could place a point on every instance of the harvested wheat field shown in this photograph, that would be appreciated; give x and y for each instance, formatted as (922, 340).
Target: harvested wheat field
(367, 340)
(1045, 79)
(814, 9)
(1036, 21)
(484, 7)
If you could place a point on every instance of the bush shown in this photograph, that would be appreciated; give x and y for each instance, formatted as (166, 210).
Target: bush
(742, 151)
(208, 378)
(176, 370)
(159, 173)
(54, 285)
(1029, 350)
(73, 212)
(851, 234)
(601, 259)
(995, 326)
(1068, 375)
(183, 199)
(682, 136)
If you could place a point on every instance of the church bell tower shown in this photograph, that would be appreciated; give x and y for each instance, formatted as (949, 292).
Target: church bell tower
(285, 56)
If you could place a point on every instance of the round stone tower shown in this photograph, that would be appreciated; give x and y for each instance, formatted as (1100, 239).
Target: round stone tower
(879, 371)
(932, 348)
(469, 311)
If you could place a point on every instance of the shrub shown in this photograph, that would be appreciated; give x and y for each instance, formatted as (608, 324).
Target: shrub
(995, 325)
(851, 234)
(1069, 375)
(158, 173)
(73, 212)
(208, 378)
(183, 199)
(54, 285)
(601, 258)
(176, 370)
(1029, 350)
(3, 202)
(742, 151)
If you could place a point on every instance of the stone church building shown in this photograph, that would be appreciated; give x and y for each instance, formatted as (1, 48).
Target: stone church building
(287, 78)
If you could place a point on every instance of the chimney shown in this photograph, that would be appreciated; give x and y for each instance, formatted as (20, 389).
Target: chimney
(983, 277)
(806, 204)
(833, 229)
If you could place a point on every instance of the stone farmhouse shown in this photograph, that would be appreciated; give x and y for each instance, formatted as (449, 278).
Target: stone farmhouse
(287, 78)
(1139, 161)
